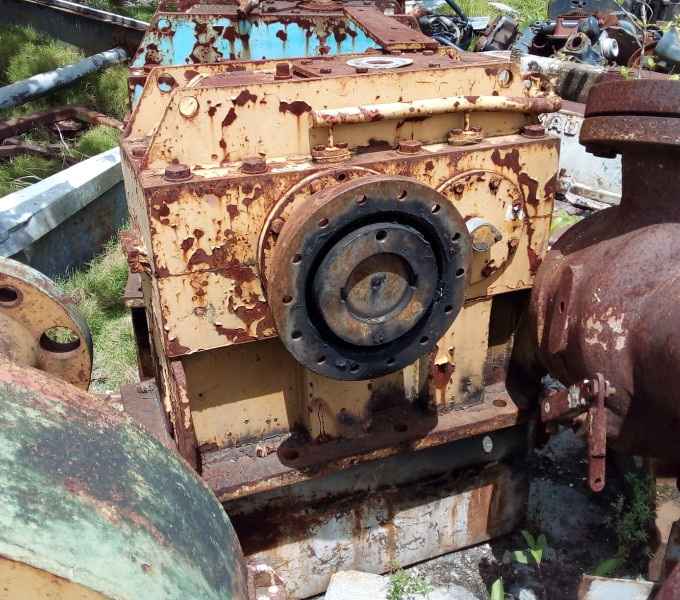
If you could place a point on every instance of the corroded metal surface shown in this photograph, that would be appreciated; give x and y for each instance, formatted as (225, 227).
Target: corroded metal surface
(31, 307)
(605, 296)
(91, 496)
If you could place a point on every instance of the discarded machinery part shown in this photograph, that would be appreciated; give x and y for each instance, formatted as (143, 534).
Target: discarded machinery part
(367, 276)
(58, 223)
(668, 50)
(567, 404)
(433, 106)
(588, 315)
(609, 48)
(380, 62)
(499, 35)
(331, 154)
(13, 127)
(42, 327)
(483, 234)
(16, 94)
(627, 43)
(13, 147)
(92, 477)
(464, 137)
(579, 47)
(86, 28)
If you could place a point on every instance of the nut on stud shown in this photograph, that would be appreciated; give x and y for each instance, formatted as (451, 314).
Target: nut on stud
(533, 131)
(254, 164)
(283, 71)
(410, 146)
(177, 172)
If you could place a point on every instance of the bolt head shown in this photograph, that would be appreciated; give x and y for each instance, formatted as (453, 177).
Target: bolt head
(277, 225)
(410, 146)
(177, 172)
(533, 131)
(433, 64)
(283, 71)
(459, 188)
(546, 408)
(495, 183)
(342, 145)
(361, 70)
(319, 148)
(138, 151)
(325, 71)
(254, 164)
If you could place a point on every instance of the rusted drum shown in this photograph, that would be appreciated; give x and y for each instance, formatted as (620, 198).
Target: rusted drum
(605, 299)
(368, 275)
(94, 506)
(41, 326)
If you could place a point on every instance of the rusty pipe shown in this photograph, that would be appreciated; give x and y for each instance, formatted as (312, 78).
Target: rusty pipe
(433, 106)
(605, 297)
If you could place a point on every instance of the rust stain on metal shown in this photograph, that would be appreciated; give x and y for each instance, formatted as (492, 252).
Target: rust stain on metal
(297, 107)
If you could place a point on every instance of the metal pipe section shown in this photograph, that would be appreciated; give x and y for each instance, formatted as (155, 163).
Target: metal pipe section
(24, 91)
(433, 106)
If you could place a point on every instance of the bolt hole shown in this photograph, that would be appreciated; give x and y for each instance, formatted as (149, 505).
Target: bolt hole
(289, 453)
(500, 403)
(381, 236)
(287, 299)
(391, 360)
(401, 195)
(320, 360)
(296, 335)
(361, 199)
(598, 480)
(296, 259)
(354, 367)
(10, 297)
(561, 307)
(448, 309)
(423, 340)
(59, 340)
(323, 221)
(435, 209)
(341, 176)
(455, 237)
(460, 272)
(400, 427)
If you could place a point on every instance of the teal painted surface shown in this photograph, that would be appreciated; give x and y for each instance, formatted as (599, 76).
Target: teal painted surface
(91, 496)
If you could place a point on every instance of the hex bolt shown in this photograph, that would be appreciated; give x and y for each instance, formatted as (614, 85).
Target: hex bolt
(138, 151)
(487, 444)
(254, 164)
(277, 225)
(361, 70)
(533, 131)
(283, 71)
(177, 172)
(319, 148)
(307, 62)
(513, 242)
(428, 52)
(459, 188)
(325, 71)
(456, 132)
(495, 183)
(433, 64)
(410, 146)
(342, 145)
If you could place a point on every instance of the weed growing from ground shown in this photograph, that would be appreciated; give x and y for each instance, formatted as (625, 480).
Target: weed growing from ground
(403, 586)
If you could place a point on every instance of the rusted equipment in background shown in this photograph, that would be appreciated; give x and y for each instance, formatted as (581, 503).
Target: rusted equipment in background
(93, 505)
(335, 259)
(605, 297)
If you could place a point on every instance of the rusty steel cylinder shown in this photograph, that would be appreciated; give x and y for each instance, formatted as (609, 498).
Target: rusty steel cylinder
(605, 298)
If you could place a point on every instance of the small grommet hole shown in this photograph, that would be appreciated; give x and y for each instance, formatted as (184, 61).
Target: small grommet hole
(455, 237)
(500, 403)
(296, 259)
(323, 221)
(354, 367)
(361, 199)
(381, 236)
(320, 360)
(10, 297)
(423, 340)
(448, 309)
(391, 360)
(435, 208)
(296, 335)
(287, 299)
(460, 272)
(401, 195)
(341, 176)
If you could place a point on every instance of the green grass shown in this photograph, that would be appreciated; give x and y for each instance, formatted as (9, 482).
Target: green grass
(530, 10)
(98, 292)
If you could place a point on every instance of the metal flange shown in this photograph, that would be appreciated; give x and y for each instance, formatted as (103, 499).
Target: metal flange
(367, 276)
(42, 327)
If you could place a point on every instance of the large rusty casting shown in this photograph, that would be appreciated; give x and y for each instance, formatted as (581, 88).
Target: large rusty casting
(605, 297)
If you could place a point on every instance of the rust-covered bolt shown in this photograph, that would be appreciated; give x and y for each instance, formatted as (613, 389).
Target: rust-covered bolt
(433, 64)
(428, 53)
(459, 188)
(361, 70)
(456, 132)
(254, 164)
(513, 242)
(410, 146)
(177, 172)
(319, 148)
(277, 225)
(325, 71)
(307, 62)
(138, 151)
(533, 131)
(342, 145)
(395, 52)
(282, 71)
(495, 183)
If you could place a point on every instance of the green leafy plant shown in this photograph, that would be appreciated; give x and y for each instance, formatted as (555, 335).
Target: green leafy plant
(631, 519)
(403, 585)
(532, 554)
(562, 218)
(497, 591)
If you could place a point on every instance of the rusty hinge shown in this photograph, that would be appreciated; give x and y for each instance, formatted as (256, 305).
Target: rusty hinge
(585, 396)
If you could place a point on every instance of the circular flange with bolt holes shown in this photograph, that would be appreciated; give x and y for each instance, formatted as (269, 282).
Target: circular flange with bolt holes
(42, 327)
(367, 275)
